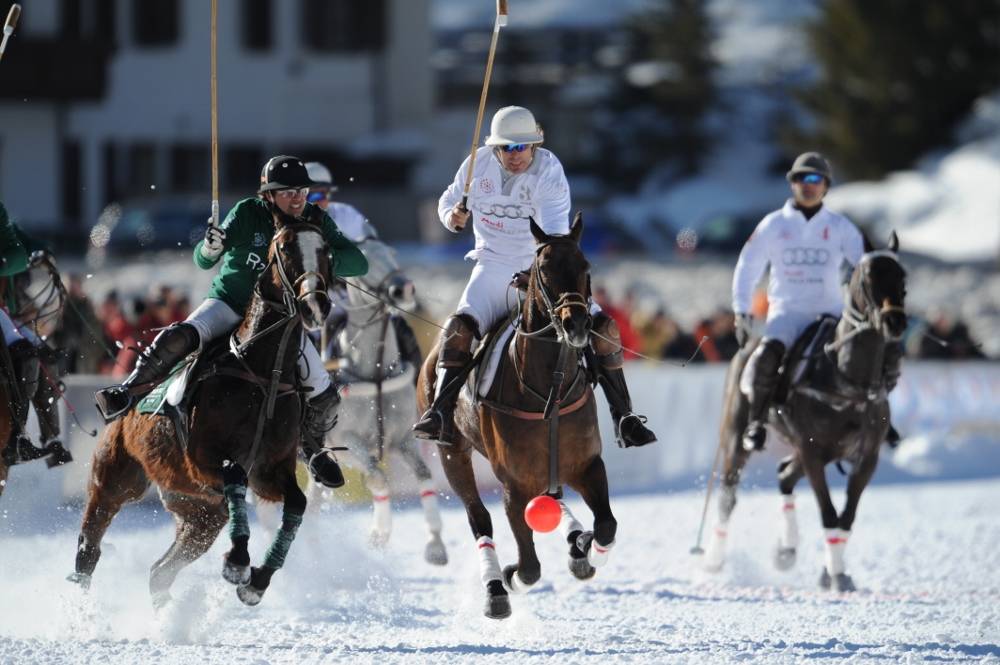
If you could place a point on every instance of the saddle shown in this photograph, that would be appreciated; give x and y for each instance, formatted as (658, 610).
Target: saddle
(174, 396)
(805, 361)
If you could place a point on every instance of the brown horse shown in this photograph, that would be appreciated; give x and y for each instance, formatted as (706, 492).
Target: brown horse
(838, 412)
(541, 391)
(244, 430)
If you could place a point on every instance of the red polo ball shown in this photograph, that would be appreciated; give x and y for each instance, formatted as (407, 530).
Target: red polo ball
(542, 513)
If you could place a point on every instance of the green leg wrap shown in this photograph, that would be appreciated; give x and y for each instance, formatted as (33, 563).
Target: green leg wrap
(236, 500)
(275, 558)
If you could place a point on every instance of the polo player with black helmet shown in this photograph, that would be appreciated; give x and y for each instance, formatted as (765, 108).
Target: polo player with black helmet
(806, 246)
(514, 179)
(241, 243)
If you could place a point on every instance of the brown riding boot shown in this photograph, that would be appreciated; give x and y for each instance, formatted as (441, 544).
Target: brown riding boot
(438, 422)
(630, 428)
(763, 365)
(172, 345)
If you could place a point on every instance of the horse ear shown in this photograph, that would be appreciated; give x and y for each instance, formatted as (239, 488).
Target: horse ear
(576, 230)
(867, 245)
(893, 242)
(536, 230)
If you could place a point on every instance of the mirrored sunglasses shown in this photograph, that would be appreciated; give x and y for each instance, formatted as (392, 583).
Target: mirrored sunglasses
(517, 147)
(809, 178)
(319, 195)
(289, 193)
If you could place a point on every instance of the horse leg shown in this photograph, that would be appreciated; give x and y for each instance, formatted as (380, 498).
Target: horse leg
(520, 577)
(593, 487)
(378, 485)
(457, 463)
(115, 479)
(199, 521)
(735, 417)
(434, 551)
(815, 470)
(236, 564)
(291, 518)
(789, 473)
(836, 543)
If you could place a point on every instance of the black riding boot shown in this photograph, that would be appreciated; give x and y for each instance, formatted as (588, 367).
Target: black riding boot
(320, 418)
(630, 428)
(891, 362)
(763, 365)
(438, 422)
(46, 403)
(171, 346)
(25, 364)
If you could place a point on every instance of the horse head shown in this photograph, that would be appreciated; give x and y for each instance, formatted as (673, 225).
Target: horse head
(559, 284)
(878, 289)
(300, 264)
(384, 278)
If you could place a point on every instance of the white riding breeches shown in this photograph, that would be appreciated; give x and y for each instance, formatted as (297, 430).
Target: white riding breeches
(12, 332)
(214, 318)
(787, 326)
(489, 296)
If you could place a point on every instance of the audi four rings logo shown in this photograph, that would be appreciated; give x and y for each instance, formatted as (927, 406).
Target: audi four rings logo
(805, 256)
(511, 211)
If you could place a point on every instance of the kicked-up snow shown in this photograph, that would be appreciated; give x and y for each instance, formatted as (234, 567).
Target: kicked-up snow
(925, 557)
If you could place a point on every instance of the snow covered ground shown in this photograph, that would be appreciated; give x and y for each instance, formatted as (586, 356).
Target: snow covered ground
(925, 557)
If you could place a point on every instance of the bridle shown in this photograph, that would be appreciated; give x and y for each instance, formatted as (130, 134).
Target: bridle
(552, 308)
(873, 314)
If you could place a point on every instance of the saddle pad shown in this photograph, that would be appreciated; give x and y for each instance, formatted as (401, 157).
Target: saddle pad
(486, 372)
(154, 401)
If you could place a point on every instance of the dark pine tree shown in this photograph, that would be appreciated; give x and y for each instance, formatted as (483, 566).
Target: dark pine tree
(896, 76)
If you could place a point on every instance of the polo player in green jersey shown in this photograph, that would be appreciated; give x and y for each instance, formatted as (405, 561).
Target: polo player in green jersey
(241, 243)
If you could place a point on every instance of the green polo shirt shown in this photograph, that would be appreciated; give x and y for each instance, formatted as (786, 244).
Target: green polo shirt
(249, 229)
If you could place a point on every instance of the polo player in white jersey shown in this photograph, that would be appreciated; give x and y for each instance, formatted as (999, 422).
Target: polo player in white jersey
(514, 179)
(806, 246)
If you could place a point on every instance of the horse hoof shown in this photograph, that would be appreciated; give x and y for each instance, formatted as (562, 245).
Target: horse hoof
(498, 602)
(513, 582)
(581, 568)
(235, 573)
(377, 540)
(161, 599)
(80, 579)
(784, 558)
(434, 552)
(843, 583)
(249, 594)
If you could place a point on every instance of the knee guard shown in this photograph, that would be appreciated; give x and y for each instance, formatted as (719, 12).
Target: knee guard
(456, 341)
(606, 341)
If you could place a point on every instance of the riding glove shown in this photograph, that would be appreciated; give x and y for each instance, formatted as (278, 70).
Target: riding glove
(213, 245)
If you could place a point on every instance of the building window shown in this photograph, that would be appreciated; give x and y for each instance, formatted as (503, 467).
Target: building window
(190, 168)
(155, 22)
(87, 19)
(141, 174)
(72, 183)
(257, 19)
(344, 26)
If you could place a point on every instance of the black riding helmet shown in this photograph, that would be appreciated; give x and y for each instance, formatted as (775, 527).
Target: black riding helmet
(284, 172)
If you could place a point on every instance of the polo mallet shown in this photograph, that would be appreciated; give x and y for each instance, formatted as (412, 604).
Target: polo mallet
(215, 119)
(8, 27)
(698, 550)
(501, 21)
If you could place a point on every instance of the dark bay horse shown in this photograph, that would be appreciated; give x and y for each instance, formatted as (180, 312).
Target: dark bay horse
(540, 382)
(244, 431)
(838, 412)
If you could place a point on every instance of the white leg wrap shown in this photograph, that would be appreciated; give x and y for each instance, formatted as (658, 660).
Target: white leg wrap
(598, 554)
(836, 543)
(715, 554)
(788, 528)
(489, 564)
(382, 514)
(517, 585)
(568, 524)
(429, 501)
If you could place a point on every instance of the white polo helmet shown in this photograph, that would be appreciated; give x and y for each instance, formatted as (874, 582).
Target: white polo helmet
(512, 125)
(320, 175)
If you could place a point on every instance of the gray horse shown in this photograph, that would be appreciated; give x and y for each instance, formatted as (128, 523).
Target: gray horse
(379, 393)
